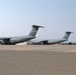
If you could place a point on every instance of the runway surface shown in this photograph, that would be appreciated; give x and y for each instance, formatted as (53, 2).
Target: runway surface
(38, 60)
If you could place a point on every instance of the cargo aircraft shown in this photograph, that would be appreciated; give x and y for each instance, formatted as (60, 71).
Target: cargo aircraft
(19, 39)
(50, 41)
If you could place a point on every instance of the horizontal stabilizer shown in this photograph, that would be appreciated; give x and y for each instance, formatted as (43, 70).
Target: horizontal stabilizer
(68, 32)
(37, 26)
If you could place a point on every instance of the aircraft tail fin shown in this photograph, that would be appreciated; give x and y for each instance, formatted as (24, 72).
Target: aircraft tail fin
(67, 34)
(34, 30)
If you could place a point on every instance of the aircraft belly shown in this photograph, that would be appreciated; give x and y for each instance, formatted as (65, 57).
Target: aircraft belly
(20, 40)
(57, 41)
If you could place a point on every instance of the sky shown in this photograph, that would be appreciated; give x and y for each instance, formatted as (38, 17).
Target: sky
(57, 16)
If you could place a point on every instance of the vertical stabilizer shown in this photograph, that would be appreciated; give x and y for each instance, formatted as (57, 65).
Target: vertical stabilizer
(34, 30)
(67, 34)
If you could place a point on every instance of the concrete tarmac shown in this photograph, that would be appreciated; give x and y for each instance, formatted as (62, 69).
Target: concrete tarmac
(38, 60)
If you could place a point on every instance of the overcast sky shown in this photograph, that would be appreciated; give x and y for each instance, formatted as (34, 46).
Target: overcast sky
(57, 16)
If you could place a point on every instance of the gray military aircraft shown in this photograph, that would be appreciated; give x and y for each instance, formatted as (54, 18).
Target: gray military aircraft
(19, 39)
(50, 41)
